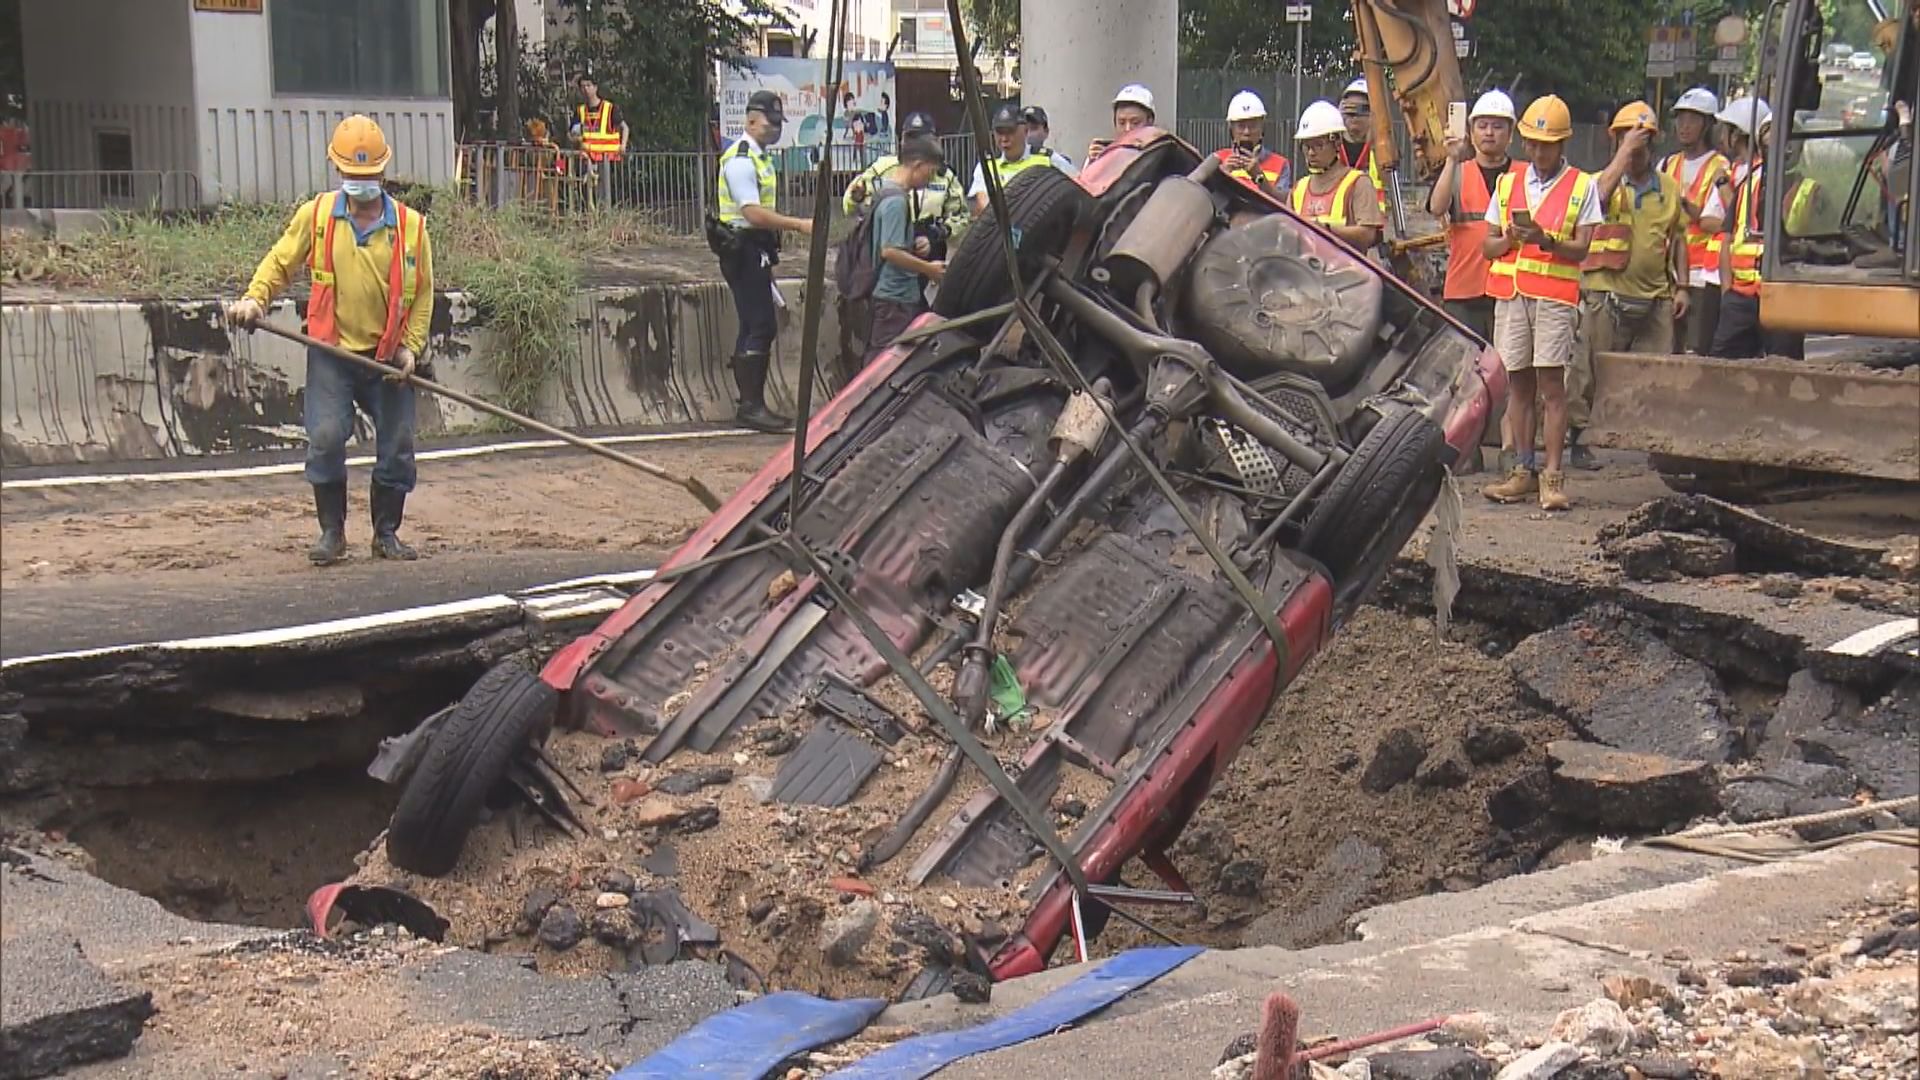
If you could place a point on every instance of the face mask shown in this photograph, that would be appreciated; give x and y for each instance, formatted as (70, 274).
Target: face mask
(360, 190)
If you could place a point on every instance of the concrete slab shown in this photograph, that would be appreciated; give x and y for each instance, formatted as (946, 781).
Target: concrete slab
(58, 1010)
(117, 929)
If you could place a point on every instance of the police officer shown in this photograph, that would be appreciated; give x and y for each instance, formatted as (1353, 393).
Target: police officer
(747, 240)
(1010, 131)
(1039, 133)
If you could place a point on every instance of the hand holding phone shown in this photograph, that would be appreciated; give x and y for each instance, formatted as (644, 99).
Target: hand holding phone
(1457, 120)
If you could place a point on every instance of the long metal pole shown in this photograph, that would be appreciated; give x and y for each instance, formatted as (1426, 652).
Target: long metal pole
(1299, 62)
(694, 487)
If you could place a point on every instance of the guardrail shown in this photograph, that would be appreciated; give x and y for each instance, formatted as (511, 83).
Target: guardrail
(99, 189)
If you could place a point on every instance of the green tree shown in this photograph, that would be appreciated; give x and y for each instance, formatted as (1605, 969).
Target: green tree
(993, 24)
(1590, 52)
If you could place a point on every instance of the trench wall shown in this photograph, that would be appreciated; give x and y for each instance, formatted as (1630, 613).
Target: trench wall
(128, 381)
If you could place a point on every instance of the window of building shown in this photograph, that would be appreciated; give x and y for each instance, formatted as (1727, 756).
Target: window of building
(360, 48)
(909, 35)
(113, 155)
(779, 45)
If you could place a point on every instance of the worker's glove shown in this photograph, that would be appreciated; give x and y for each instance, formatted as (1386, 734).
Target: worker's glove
(404, 361)
(245, 312)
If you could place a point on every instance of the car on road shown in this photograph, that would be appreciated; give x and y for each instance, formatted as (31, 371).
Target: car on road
(1862, 61)
(1103, 543)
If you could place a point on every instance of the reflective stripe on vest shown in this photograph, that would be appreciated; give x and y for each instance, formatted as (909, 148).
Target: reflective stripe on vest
(1612, 238)
(1336, 211)
(1467, 264)
(402, 289)
(1702, 251)
(1006, 170)
(598, 137)
(763, 171)
(1271, 167)
(1528, 270)
(1748, 243)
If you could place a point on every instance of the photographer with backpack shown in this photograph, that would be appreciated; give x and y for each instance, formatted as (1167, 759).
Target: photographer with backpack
(882, 260)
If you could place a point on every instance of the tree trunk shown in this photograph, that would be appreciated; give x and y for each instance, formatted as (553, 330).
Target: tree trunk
(465, 18)
(506, 66)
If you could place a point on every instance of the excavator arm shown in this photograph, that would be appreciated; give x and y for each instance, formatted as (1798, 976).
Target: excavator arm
(1406, 51)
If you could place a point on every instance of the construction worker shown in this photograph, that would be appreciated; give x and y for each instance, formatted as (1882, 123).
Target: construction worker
(1356, 146)
(1739, 334)
(747, 241)
(599, 127)
(1697, 167)
(1635, 273)
(1132, 109)
(1333, 194)
(1039, 133)
(904, 259)
(371, 268)
(939, 209)
(1247, 159)
(1539, 225)
(1010, 131)
(1460, 197)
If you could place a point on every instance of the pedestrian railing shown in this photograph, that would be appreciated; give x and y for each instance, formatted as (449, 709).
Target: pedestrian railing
(99, 189)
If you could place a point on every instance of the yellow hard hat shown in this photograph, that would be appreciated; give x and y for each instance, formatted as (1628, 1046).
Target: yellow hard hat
(1635, 115)
(359, 148)
(1547, 120)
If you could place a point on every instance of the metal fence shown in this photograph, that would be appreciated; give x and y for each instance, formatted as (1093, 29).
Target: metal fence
(99, 189)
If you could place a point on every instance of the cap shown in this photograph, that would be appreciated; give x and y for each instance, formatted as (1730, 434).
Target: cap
(1746, 114)
(917, 123)
(1246, 105)
(1134, 94)
(768, 102)
(1008, 116)
(1357, 86)
(1699, 100)
(1036, 116)
(1494, 103)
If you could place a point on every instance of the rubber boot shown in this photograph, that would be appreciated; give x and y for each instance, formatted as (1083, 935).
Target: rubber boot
(1579, 455)
(330, 506)
(388, 506)
(750, 377)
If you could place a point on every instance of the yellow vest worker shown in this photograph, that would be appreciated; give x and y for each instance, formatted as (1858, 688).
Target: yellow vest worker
(598, 124)
(371, 267)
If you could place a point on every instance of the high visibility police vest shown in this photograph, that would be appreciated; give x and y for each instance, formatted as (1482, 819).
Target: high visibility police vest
(1331, 213)
(1748, 243)
(598, 137)
(1527, 269)
(763, 170)
(1467, 261)
(403, 289)
(1006, 170)
(1701, 254)
(1269, 167)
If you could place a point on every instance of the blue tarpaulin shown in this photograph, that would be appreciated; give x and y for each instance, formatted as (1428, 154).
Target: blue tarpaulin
(747, 1042)
(923, 1056)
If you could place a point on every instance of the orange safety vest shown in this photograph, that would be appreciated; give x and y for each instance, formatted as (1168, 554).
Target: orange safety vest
(1717, 242)
(598, 137)
(402, 291)
(1748, 242)
(1271, 166)
(1529, 270)
(1612, 238)
(1701, 252)
(1466, 261)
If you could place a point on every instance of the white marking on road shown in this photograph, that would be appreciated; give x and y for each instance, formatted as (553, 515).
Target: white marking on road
(1873, 639)
(241, 473)
(587, 596)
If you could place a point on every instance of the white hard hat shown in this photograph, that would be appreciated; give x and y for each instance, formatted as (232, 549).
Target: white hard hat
(1494, 103)
(1700, 100)
(1746, 114)
(1246, 105)
(1321, 118)
(1134, 94)
(1357, 86)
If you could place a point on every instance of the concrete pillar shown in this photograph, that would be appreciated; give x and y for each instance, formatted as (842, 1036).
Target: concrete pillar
(1074, 56)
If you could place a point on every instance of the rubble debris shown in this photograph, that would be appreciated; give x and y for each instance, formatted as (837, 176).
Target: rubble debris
(1620, 685)
(1521, 802)
(663, 861)
(1670, 556)
(374, 905)
(616, 755)
(698, 819)
(688, 781)
(1598, 1027)
(626, 792)
(534, 907)
(59, 1011)
(1396, 758)
(607, 901)
(560, 928)
(1244, 878)
(657, 812)
(1617, 790)
(972, 987)
(1544, 1063)
(616, 880)
(1785, 789)
(1490, 742)
(1781, 586)
(1447, 771)
(847, 932)
(1759, 1054)
(921, 930)
(1810, 704)
(1444, 1063)
(828, 767)
(613, 928)
(1760, 541)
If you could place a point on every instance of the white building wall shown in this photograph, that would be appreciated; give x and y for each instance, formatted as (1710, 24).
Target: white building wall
(255, 146)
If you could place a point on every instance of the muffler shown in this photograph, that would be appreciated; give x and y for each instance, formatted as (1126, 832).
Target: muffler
(1170, 227)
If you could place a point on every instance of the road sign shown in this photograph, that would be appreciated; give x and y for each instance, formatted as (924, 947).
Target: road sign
(1661, 69)
(1298, 13)
(1461, 9)
(1463, 42)
(1726, 61)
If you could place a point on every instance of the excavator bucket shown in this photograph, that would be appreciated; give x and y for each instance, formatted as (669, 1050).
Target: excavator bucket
(1845, 418)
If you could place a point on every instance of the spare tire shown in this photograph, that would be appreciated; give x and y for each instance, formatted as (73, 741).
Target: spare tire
(508, 710)
(1395, 471)
(1044, 205)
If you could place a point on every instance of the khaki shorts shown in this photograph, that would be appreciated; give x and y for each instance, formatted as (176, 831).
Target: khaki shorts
(1533, 333)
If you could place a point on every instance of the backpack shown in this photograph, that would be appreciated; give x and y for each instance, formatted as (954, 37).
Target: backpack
(856, 266)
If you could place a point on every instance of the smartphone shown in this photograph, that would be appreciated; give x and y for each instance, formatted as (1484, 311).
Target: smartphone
(1522, 218)
(1457, 120)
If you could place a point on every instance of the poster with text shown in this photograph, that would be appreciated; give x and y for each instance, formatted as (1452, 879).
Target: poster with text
(863, 121)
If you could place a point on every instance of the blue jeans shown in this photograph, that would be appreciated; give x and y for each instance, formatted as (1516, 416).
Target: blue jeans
(334, 387)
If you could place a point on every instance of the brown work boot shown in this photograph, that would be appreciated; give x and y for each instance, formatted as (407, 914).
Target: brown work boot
(1553, 491)
(1519, 484)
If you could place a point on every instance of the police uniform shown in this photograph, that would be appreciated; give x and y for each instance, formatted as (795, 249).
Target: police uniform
(747, 257)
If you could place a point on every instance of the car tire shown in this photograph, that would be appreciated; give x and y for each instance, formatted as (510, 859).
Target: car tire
(1044, 205)
(508, 709)
(1396, 463)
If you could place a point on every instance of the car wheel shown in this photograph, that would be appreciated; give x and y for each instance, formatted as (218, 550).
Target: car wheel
(508, 709)
(1044, 205)
(1396, 467)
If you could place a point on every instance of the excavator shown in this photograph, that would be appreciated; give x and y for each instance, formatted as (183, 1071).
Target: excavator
(1406, 52)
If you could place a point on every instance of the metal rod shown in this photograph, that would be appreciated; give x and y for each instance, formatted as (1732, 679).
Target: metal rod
(1140, 896)
(1348, 1046)
(817, 262)
(693, 487)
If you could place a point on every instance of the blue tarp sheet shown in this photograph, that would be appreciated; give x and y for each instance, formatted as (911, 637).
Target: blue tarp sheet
(923, 1056)
(745, 1043)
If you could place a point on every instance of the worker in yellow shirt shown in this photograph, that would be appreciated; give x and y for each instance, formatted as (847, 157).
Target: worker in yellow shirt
(371, 268)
